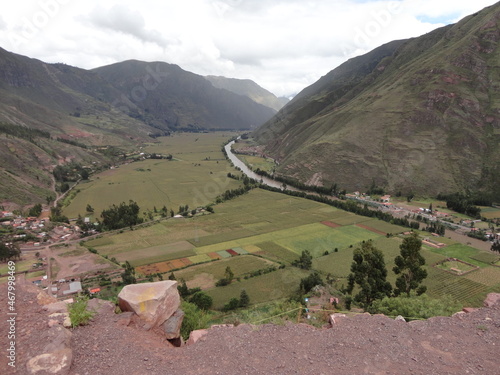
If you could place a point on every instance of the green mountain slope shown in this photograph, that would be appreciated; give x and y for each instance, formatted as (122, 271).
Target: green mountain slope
(168, 97)
(249, 88)
(421, 115)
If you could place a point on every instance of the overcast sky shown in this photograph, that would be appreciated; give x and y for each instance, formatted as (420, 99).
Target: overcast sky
(283, 45)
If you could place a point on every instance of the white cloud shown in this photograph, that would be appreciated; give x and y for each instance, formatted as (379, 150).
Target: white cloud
(284, 45)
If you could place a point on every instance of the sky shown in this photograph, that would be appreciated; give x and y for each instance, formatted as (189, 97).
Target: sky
(283, 45)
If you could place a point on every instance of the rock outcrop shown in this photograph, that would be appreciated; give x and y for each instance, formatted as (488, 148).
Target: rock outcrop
(154, 303)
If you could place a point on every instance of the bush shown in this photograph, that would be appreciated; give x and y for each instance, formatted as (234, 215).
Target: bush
(194, 319)
(233, 304)
(78, 312)
(413, 307)
(201, 300)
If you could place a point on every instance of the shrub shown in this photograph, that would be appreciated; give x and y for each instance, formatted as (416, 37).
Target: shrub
(78, 312)
(194, 319)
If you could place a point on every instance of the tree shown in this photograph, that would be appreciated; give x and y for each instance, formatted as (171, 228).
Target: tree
(36, 210)
(309, 282)
(89, 208)
(228, 274)
(202, 300)
(128, 276)
(183, 289)
(368, 271)
(244, 299)
(305, 260)
(409, 266)
(8, 251)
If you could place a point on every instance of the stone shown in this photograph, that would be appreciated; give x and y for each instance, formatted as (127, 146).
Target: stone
(44, 299)
(492, 299)
(400, 318)
(57, 307)
(125, 318)
(58, 362)
(196, 335)
(468, 309)
(334, 318)
(60, 338)
(172, 326)
(100, 306)
(154, 302)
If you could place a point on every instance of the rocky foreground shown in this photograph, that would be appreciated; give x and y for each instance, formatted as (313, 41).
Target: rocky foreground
(363, 344)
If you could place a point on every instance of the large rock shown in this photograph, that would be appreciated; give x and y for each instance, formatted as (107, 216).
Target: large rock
(172, 326)
(154, 303)
(57, 356)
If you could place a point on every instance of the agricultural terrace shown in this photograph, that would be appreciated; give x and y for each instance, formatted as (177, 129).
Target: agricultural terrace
(263, 228)
(195, 176)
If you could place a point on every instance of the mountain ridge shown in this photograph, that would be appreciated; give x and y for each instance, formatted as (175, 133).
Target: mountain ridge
(423, 119)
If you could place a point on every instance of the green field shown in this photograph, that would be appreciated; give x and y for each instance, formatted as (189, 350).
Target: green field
(269, 287)
(273, 225)
(195, 177)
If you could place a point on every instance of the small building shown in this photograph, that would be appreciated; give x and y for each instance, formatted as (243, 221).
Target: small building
(74, 287)
(94, 290)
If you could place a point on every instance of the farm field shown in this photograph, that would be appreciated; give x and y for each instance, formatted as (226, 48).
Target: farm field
(196, 175)
(259, 229)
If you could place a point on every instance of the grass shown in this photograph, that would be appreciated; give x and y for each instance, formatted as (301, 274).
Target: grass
(454, 265)
(197, 176)
(240, 265)
(462, 252)
(268, 287)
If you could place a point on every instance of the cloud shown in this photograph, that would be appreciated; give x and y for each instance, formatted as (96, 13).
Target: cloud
(283, 45)
(122, 19)
(3, 24)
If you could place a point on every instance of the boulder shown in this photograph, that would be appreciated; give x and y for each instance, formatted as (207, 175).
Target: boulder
(492, 299)
(154, 303)
(194, 336)
(400, 318)
(172, 326)
(58, 355)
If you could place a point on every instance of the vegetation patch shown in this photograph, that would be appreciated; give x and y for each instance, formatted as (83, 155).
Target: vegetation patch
(456, 266)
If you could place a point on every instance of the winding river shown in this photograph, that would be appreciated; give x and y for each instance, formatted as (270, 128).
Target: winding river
(238, 163)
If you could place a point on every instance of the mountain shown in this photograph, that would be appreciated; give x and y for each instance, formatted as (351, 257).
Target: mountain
(249, 88)
(420, 115)
(54, 114)
(168, 97)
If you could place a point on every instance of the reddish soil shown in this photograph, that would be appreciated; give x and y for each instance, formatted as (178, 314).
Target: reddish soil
(371, 229)
(232, 252)
(330, 224)
(364, 344)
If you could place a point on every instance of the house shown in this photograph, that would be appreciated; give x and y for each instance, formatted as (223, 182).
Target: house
(94, 290)
(74, 287)
(385, 198)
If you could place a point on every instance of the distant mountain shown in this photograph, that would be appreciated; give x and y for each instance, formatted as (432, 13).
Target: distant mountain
(421, 115)
(249, 88)
(168, 97)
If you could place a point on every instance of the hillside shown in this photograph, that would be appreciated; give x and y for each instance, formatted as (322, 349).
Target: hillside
(249, 88)
(420, 116)
(168, 97)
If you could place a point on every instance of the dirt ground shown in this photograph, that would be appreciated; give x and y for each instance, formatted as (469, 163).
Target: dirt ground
(363, 344)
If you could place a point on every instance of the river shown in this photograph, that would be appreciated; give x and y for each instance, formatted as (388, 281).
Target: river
(247, 171)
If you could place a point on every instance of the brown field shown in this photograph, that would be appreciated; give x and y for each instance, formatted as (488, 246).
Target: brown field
(330, 224)
(371, 229)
